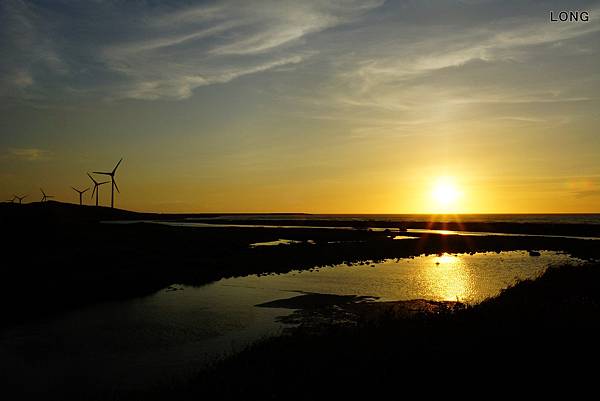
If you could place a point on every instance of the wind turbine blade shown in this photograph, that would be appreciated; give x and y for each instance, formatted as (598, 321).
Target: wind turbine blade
(115, 184)
(101, 172)
(117, 166)
(85, 190)
(43, 193)
(91, 178)
(94, 191)
(73, 188)
(103, 182)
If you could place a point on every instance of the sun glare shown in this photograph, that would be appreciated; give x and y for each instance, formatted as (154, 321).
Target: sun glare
(445, 193)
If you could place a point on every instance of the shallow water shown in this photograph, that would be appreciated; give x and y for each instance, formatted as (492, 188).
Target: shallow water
(191, 223)
(483, 234)
(468, 278)
(280, 241)
(176, 331)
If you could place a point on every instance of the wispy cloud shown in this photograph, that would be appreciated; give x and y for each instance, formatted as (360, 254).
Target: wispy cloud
(143, 51)
(435, 50)
(29, 154)
(584, 187)
(27, 48)
(180, 86)
(366, 54)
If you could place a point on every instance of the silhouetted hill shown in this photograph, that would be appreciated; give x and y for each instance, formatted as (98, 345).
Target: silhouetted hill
(53, 212)
(60, 212)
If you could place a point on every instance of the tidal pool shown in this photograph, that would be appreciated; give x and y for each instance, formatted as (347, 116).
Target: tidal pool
(446, 277)
(176, 331)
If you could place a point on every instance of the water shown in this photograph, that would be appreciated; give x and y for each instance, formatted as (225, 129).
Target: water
(170, 334)
(592, 218)
(280, 241)
(275, 220)
(447, 277)
(288, 242)
(176, 331)
(484, 233)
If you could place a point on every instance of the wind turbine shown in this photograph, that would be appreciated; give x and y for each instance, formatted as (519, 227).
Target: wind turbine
(80, 194)
(113, 183)
(44, 196)
(20, 198)
(96, 185)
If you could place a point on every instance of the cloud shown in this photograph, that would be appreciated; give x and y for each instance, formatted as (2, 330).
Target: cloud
(146, 50)
(180, 51)
(29, 154)
(584, 187)
(365, 54)
(433, 50)
(417, 71)
(586, 194)
(27, 49)
(180, 86)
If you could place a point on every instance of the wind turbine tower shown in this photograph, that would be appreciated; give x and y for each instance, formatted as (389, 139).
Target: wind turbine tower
(96, 187)
(113, 182)
(80, 194)
(45, 197)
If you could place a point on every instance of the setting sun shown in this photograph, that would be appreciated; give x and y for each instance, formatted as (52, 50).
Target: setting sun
(445, 193)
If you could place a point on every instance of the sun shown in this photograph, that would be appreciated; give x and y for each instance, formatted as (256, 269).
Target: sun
(445, 193)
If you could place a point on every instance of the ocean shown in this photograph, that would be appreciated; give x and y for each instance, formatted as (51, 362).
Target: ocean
(449, 218)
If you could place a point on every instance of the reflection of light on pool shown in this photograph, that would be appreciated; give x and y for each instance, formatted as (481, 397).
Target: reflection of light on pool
(448, 277)
(279, 242)
(471, 278)
(448, 232)
(446, 259)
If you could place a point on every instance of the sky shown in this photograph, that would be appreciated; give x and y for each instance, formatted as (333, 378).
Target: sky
(341, 106)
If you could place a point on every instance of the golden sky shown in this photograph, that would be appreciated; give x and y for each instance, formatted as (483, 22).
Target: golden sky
(338, 107)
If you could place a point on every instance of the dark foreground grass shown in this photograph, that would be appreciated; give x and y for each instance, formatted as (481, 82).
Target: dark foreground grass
(537, 335)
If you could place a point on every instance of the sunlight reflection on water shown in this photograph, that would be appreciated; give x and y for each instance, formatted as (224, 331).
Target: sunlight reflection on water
(469, 278)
